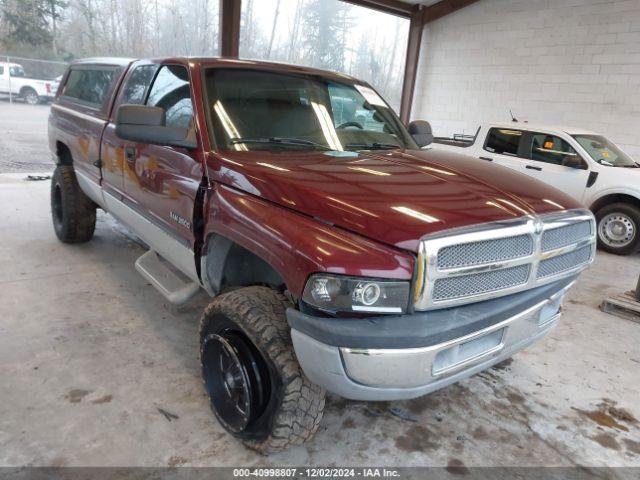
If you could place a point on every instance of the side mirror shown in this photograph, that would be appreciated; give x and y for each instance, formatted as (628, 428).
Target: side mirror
(144, 124)
(420, 130)
(574, 161)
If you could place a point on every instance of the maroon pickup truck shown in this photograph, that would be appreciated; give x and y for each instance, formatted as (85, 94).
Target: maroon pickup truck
(338, 253)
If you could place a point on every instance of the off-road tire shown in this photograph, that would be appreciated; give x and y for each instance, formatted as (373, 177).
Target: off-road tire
(30, 96)
(629, 211)
(72, 212)
(295, 405)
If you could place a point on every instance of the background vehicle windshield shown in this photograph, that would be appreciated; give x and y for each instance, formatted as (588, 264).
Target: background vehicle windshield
(604, 151)
(257, 110)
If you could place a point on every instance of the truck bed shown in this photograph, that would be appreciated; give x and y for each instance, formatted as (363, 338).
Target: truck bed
(458, 140)
(454, 142)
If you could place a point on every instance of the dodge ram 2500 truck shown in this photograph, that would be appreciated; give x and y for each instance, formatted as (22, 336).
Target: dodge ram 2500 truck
(14, 82)
(585, 165)
(339, 256)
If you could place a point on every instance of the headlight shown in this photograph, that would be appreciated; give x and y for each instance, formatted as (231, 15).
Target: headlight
(334, 293)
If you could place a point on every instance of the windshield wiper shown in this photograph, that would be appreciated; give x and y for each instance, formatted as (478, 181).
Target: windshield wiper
(279, 141)
(372, 146)
(602, 161)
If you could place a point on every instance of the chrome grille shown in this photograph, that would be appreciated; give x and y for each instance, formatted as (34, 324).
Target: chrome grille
(469, 285)
(566, 235)
(564, 262)
(486, 251)
(491, 260)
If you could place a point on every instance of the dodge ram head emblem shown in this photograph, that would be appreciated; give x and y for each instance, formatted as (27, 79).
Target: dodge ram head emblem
(537, 226)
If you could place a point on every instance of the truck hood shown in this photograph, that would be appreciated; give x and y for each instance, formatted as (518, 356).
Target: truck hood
(395, 197)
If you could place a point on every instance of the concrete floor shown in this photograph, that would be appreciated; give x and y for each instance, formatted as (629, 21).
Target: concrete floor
(24, 145)
(91, 355)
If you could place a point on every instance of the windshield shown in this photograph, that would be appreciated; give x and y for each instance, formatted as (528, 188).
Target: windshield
(258, 110)
(16, 72)
(603, 151)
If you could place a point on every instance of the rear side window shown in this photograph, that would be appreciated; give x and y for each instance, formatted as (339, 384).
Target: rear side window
(551, 149)
(503, 141)
(1, 69)
(89, 86)
(137, 86)
(170, 91)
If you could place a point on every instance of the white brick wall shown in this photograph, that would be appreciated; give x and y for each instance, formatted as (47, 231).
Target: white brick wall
(569, 62)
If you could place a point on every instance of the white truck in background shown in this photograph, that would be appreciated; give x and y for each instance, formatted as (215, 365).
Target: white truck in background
(33, 91)
(583, 164)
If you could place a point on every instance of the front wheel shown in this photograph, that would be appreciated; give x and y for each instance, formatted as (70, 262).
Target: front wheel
(618, 228)
(256, 387)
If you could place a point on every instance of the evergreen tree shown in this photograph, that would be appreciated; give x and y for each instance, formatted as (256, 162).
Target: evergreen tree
(30, 24)
(324, 34)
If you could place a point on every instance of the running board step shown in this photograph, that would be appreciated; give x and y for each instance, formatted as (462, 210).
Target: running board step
(175, 287)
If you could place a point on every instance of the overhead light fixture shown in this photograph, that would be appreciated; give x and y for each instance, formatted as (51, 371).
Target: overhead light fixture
(227, 124)
(551, 202)
(326, 124)
(353, 207)
(370, 171)
(272, 166)
(416, 214)
(513, 205)
(437, 170)
(228, 160)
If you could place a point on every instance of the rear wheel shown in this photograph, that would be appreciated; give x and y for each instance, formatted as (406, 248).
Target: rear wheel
(256, 387)
(30, 96)
(618, 228)
(72, 212)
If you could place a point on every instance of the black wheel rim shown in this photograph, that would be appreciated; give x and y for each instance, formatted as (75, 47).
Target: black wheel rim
(234, 376)
(57, 203)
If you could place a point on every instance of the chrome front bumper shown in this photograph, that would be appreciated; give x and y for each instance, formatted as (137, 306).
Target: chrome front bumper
(403, 373)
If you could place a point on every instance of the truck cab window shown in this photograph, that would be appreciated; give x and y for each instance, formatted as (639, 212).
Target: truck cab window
(138, 84)
(89, 86)
(16, 71)
(550, 149)
(170, 91)
(503, 141)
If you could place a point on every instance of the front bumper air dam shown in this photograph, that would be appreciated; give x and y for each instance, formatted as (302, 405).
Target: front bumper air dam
(406, 356)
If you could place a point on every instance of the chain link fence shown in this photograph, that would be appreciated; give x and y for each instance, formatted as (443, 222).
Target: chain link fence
(31, 68)
(23, 121)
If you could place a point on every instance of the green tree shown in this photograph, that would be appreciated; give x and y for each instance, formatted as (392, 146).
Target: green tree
(325, 28)
(30, 25)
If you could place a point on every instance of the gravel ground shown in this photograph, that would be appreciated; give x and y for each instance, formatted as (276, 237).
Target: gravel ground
(23, 137)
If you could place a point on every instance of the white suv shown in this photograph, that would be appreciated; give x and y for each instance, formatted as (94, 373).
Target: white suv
(583, 164)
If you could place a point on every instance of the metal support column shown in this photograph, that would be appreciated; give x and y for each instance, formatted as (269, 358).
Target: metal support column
(230, 28)
(411, 65)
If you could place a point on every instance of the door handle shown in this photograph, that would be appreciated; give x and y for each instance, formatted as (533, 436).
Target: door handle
(530, 167)
(488, 159)
(130, 153)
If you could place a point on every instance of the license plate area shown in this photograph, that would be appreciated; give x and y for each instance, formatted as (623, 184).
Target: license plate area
(463, 354)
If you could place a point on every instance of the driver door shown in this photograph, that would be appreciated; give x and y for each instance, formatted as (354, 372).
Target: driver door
(163, 181)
